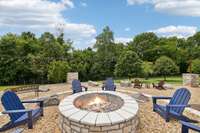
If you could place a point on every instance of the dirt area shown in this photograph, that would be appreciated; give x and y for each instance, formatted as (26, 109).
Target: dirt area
(148, 119)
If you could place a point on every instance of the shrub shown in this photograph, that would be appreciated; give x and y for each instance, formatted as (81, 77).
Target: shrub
(147, 69)
(165, 66)
(57, 71)
(128, 65)
(196, 66)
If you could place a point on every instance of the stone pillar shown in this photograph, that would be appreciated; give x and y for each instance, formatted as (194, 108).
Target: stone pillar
(190, 79)
(71, 76)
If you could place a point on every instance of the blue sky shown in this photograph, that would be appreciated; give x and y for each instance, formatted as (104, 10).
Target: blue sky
(82, 20)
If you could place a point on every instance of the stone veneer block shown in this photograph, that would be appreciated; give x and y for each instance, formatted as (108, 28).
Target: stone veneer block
(126, 115)
(115, 117)
(78, 115)
(102, 119)
(71, 76)
(66, 107)
(90, 118)
(190, 79)
(69, 112)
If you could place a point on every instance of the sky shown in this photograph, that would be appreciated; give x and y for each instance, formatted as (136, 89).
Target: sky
(83, 20)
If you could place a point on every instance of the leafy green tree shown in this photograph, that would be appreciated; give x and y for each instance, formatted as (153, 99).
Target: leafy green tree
(193, 48)
(57, 71)
(107, 53)
(145, 46)
(167, 47)
(27, 46)
(147, 69)
(128, 65)
(196, 66)
(82, 62)
(8, 58)
(165, 66)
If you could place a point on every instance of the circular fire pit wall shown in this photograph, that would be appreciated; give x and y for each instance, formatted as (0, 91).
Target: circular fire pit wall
(103, 112)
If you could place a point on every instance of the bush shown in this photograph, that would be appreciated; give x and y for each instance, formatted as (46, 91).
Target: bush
(165, 66)
(57, 71)
(196, 66)
(128, 65)
(147, 69)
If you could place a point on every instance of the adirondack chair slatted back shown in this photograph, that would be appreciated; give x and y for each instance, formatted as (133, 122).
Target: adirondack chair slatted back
(11, 101)
(76, 86)
(180, 97)
(109, 84)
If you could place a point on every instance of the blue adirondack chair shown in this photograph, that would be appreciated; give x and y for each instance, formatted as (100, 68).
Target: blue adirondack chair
(18, 114)
(77, 87)
(109, 85)
(176, 106)
(186, 126)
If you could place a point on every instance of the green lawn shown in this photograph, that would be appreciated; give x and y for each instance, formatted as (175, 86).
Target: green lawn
(170, 80)
(6, 87)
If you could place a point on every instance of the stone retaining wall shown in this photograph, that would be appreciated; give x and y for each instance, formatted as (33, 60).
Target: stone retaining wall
(71, 76)
(191, 80)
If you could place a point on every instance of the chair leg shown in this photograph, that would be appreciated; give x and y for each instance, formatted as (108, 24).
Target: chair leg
(184, 129)
(30, 120)
(167, 119)
(42, 108)
(42, 111)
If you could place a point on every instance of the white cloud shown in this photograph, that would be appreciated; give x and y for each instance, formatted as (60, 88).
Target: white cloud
(39, 16)
(178, 31)
(127, 29)
(122, 39)
(83, 4)
(175, 7)
(133, 2)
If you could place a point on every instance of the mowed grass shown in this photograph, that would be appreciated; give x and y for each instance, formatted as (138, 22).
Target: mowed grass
(2, 88)
(170, 79)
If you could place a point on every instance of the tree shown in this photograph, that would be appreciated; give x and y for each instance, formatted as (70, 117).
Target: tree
(107, 53)
(82, 62)
(57, 71)
(193, 48)
(165, 66)
(128, 65)
(8, 58)
(145, 46)
(196, 66)
(147, 69)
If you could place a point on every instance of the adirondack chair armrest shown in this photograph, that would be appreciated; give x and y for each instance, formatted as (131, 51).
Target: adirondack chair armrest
(155, 98)
(161, 97)
(177, 106)
(84, 87)
(115, 87)
(103, 87)
(17, 111)
(41, 102)
(187, 125)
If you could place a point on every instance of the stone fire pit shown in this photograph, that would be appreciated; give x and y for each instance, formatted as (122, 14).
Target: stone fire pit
(98, 111)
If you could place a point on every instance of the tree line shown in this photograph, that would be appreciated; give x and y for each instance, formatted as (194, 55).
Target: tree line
(26, 58)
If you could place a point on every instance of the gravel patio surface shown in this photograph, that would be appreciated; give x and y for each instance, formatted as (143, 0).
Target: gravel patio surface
(150, 122)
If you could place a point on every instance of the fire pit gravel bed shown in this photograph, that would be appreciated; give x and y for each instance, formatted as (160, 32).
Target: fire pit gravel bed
(83, 113)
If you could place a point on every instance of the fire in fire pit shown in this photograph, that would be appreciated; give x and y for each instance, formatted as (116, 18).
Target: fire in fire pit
(99, 102)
